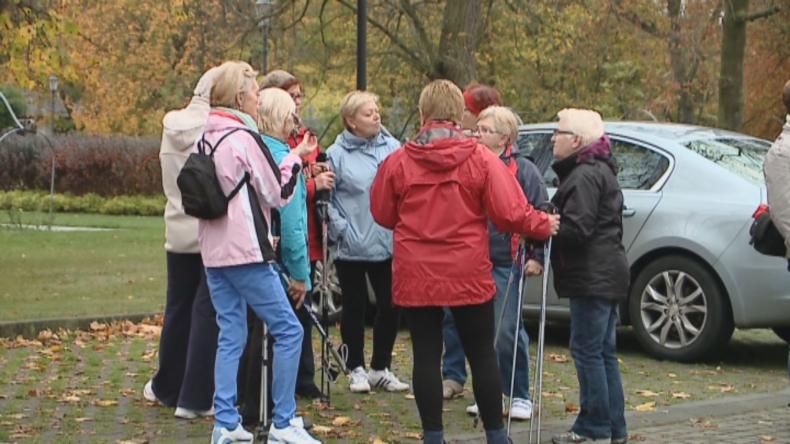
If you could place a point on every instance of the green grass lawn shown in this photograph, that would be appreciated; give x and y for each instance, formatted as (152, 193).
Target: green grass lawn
(69, 274)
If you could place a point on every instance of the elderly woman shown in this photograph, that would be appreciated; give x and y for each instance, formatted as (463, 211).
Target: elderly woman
(185, 378)
(438, 194)
(497, 129)
(237, 251)
(591, 269)
(477, 97)
(316, 179)
(364, 248)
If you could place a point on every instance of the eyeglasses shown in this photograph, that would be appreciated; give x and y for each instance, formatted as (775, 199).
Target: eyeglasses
(559, 131)
(483, 130)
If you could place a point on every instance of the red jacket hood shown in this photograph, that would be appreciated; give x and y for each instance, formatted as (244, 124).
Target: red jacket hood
(440, 146)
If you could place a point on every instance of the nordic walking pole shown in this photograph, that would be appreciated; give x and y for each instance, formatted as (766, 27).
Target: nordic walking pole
(522, 265)
(538, 385)
(514, 268)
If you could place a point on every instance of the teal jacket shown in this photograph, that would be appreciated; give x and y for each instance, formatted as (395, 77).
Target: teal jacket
(293, 221)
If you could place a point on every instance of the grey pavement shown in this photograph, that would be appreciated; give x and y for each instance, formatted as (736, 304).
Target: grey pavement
(762, 418)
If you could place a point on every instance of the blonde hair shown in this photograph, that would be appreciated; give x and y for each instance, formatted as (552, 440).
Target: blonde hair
(231, 79)
(352, 102)
(585, 123)
(441, 100)
(275, 107)
(505, 121)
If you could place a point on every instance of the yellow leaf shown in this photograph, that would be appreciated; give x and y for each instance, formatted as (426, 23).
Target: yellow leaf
(646, 407)
(672, 375)
(70, 398)
(680, 395)
(378, 440)
(105, 402)
(413, 435)
(558, 358)
(767, 438)
(341, 421)
(646, 393)
(409, 396)
(321, 430)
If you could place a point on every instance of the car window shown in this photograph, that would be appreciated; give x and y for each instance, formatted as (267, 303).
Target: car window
(743, 157)
(639, 168)
(539, 148)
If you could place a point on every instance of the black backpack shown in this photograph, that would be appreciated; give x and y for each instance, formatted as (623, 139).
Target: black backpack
(201, 195)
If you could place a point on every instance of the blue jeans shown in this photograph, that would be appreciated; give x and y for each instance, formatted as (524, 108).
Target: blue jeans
(594, 350)
(453, 365)
(258, 285)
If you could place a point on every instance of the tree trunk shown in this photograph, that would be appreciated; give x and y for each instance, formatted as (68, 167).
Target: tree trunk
(679, 62)
(733, 44)
(460, 36)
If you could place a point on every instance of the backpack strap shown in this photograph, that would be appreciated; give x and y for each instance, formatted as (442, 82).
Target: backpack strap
(244, 180)
(216, 145)
(287, 188)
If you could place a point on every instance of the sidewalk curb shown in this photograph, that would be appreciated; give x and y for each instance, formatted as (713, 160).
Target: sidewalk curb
(678, 413)
(30, 329)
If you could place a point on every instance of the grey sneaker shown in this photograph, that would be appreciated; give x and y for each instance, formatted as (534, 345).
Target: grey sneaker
(574, 438)
(451, 389)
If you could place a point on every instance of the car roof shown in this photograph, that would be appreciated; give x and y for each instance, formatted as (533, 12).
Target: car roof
(655, 131)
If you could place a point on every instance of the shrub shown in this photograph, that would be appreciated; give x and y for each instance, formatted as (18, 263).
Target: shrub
(88, 203)
(106, 166)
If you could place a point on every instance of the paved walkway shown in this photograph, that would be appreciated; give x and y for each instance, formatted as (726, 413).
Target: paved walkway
(749, 419)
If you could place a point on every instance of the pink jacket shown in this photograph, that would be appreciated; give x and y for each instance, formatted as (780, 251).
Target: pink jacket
(231, 239)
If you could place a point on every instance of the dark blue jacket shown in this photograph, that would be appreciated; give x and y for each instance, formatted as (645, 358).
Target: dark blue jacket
(500, 244)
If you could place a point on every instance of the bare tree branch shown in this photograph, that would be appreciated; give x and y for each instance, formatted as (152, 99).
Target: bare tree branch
(758, 14)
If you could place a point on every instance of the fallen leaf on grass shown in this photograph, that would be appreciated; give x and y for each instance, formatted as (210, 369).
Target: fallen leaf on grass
(767, 438)
(378, 440)
(558, 358)
(98, 326)
(571, 408)
(646, 393)
(341, 421)
(105, 402)
(723, 388)
(646, 407)
(680, 395)
(128, 392)
(17, 416)
(83, 419)
(321, 430)
(132, 441)
(69, 398)
(413, 435)
(409, 396)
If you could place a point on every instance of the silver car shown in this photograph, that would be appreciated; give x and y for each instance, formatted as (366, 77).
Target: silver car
(689, 194)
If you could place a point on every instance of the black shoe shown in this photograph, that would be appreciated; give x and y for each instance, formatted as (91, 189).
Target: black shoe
(309, 392)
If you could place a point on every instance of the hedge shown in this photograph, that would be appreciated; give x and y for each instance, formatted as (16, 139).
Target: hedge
(106, 166)
(88, 203)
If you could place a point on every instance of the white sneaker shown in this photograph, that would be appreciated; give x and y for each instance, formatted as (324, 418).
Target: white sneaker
(221, 435)
(472, 410)
(387, 380)
(290, 435)
(521, 409)
(148, 392)
(359, 381)
(185, 413)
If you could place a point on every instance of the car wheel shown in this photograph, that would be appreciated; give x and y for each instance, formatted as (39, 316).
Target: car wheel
(783, 333)
(335, 299)
(678, 310)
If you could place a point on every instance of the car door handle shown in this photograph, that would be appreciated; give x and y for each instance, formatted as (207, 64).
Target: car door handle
(628, 212)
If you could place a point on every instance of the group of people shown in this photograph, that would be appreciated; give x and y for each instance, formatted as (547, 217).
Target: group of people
(433, 225)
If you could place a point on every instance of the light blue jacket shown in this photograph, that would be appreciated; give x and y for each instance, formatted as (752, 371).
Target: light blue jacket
(355, 162)
(293, 221)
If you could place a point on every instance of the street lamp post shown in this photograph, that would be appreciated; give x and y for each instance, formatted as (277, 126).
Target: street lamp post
(53, 89)
(264, 8)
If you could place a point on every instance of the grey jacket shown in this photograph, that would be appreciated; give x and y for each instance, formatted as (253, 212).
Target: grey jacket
(777, 181)
(355, 162)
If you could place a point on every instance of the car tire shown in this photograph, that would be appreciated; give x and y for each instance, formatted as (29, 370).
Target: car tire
(783, 333)
(679, 311)
(335, 303)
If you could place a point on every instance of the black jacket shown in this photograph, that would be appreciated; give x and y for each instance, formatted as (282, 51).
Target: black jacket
(589, 258)
(500, 245)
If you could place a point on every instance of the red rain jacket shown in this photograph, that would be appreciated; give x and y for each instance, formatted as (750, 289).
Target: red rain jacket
(436, 194)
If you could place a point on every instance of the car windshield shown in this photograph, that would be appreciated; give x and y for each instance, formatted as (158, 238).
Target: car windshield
(743, 157)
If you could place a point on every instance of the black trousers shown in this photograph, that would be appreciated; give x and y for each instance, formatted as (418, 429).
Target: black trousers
(188, 345)
(475, 325)
(353, 284)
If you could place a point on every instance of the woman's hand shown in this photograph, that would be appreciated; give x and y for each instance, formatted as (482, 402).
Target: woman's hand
(325, 181)
(297, 290)
(308, 144)
(533, 268)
